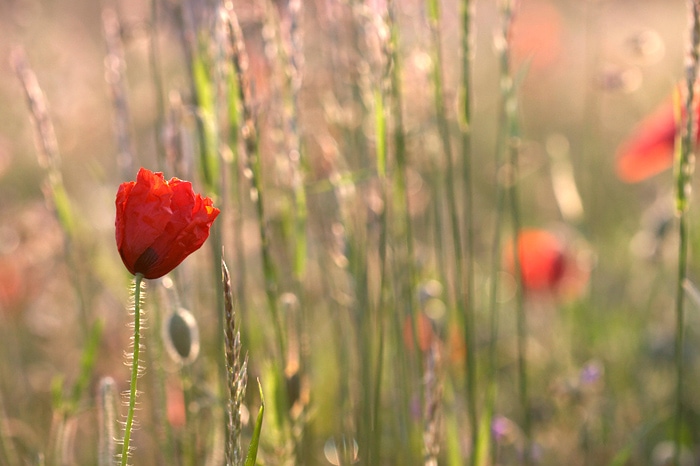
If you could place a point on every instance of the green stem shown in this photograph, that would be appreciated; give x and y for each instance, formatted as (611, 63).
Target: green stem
(465, 126)
(405, 273)
(463, 291)
(252, 150)
(680, 337)
(401, 181)
(381, 314)
(684, 172)
(521, 318)
(480, 454)
(511, 134)
(138, 280)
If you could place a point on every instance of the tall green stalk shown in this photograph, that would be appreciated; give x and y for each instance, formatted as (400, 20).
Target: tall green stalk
(252, 148)
(128, 426)
(511, 135)
(402, 231)
(521, 317)
(462, 291)
(401, 162)
(249, 135)
(465, 120)
(481, 448)
(507, 156)
(381, 156)
(683, 175)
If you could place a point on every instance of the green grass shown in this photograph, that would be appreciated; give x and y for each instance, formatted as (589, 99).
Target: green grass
(372, 163)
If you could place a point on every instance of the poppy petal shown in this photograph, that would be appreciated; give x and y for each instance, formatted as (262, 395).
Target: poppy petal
(649, 149)
(542, 260)
(159, 223)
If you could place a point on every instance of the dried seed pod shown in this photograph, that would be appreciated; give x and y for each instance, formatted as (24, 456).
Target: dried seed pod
(181, 336)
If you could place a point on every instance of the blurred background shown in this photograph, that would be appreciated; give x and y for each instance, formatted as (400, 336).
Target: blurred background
(601, 339)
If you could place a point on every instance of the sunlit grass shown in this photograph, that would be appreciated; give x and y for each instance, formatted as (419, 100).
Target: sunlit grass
(373, 162)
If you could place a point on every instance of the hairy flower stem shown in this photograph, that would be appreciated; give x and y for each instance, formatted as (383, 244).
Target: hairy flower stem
(138, 280)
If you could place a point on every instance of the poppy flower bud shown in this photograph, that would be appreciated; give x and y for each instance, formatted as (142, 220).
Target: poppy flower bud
(159, 223)
(181, 336)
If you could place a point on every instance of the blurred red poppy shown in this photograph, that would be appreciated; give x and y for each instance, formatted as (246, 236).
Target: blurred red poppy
(548, 266)
(159, 223)
(649, 149)
(542, 259)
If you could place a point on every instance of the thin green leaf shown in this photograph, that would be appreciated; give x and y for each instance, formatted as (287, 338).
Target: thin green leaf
(63, 207)
(209, 137)
(253, 448)
(621, 457)
(87, 362)
(482, 450)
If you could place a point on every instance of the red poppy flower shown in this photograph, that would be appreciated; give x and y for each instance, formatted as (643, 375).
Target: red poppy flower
(159, 223)
(542, 259)
(548, 266)
(649, 149)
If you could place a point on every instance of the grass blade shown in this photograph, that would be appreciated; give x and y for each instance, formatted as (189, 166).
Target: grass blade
(255, 441)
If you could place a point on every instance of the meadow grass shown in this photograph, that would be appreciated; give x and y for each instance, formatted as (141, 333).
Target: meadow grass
(376, 164)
